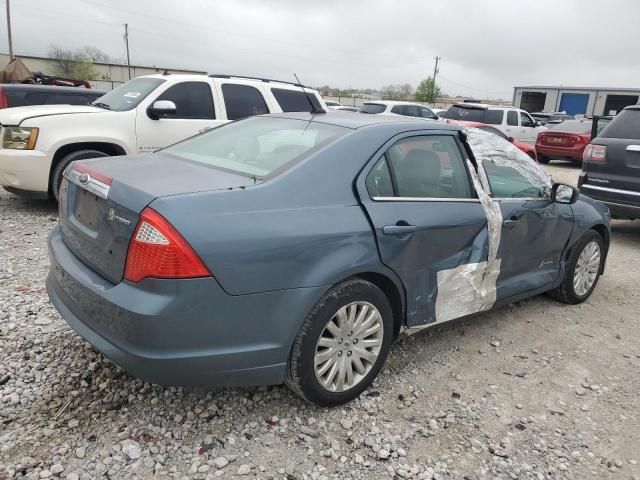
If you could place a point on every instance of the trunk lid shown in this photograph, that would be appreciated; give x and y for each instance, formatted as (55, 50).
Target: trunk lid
(101, 200)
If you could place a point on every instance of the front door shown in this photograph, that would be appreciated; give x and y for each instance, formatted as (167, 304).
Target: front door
(527, 132)
(534, 232)
(427, 218)
(195, 113)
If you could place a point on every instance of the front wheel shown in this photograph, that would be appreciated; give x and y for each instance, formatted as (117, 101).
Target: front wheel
(584, 267)
(342, 344)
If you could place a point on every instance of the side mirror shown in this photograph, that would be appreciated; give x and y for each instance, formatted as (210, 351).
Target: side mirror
(511, 139)
(161, 108)
(562, 193)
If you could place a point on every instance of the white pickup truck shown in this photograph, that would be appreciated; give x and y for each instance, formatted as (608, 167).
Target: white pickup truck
(144, 114)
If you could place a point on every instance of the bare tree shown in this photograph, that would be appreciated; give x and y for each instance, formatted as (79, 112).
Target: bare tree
(76, 64)
(94, 54)
(405, 91)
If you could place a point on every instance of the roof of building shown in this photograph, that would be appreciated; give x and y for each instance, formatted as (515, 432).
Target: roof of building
(563, 87)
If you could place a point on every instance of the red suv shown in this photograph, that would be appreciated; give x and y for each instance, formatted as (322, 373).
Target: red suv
(566, 140)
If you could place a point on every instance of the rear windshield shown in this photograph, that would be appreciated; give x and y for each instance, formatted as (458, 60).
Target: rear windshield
(572, 126)
(127, 96)
(625, 125)
(372, 108)
(255, 146)
(295, 100)
(492, 117)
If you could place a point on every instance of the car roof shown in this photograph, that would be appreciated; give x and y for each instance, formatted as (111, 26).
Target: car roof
(232, 79)
(354, 120)
(483, 106)
(394, 102)
(50, 88)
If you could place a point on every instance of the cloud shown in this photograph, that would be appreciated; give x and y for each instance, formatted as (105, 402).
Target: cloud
(486, 46)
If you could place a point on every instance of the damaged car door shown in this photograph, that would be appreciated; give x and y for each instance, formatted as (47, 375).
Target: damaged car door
(535, 230)
(427, 217)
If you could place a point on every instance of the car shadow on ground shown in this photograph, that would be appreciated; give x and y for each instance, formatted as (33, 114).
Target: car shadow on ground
(15, 202)
(627, 230)
(565, 164)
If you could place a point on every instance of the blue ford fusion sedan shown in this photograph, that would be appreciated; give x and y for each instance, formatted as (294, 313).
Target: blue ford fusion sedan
(296, 247)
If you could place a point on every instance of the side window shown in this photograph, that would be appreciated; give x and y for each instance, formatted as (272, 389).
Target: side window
(512, 118)
(193, 100)
(526, 121)
(243, 101)
(400, 110)
(426, 113)
(294, 100)
(428, 167)
(379, 182)
(494, 117)
(507, 182)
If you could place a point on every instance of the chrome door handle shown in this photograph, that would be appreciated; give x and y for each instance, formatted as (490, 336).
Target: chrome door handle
(511, 222)
(399, 229)
(633, 148)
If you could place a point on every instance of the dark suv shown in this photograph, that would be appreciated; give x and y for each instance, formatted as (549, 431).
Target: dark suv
(611, 165)
(21, 95)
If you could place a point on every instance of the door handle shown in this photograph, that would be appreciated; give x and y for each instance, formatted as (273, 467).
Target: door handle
(511, 222)
(633, 148)
(399, 229)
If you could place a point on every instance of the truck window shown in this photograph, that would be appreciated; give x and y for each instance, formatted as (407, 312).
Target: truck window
(243, 101)
(295, 100)
(193, 100)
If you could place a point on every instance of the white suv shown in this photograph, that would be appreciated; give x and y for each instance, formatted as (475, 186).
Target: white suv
(144, 114)
(513, 122)
(406, 109)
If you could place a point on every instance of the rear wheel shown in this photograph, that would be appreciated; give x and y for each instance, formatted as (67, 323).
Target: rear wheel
(583, 270)
(56, 175)
(342, 344)
(543, 159)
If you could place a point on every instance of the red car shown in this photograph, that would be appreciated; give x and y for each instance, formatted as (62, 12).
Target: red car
(525, 147)
(566, 140)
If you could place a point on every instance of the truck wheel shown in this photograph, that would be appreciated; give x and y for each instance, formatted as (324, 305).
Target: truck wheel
(342, 344)
(584, 267)
(543, 159)
(56, 176)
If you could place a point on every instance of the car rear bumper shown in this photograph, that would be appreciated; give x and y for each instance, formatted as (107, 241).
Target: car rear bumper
(559, 152)
(179, 332)
(24, 170)
(621, 203)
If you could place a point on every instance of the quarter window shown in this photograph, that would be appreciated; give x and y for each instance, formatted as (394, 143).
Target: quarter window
(243, 101)
(421, 167)
(512, 118)
(193, 100)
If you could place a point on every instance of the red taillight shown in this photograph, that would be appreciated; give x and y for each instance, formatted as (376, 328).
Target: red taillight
(157, 250)
(595, 153)
(3, 99)
(93, 173)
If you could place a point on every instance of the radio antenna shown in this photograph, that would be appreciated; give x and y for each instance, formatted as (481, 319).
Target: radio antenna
(314, 109)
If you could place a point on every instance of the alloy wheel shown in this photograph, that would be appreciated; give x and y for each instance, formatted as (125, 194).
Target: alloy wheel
(587, 268)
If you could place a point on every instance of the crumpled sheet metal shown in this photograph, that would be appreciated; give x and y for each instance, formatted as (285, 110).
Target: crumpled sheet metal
(489, 147)
(471, 287)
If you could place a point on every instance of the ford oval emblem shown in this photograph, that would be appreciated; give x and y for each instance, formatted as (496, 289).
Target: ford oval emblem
(84, 178)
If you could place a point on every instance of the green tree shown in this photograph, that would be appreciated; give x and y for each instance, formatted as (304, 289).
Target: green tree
(74, 64)
(427, 91)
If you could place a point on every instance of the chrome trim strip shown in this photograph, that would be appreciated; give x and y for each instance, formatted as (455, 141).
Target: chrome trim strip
(92, 185)
(611, 190)
(633, 148)
(424, 199)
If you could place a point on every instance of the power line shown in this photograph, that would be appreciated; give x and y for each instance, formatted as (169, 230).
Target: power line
(472, 88)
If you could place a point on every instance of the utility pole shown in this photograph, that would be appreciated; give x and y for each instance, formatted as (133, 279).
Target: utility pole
(435, 70)
(11, 57)
(126, 41)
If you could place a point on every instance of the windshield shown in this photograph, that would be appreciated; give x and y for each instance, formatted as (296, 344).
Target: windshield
(573, 126)
(128, 95)
(625, 125)
(492, 117)
(256, 146)
(372, 108)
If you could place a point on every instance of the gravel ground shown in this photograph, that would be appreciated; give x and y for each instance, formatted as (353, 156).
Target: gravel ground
(534, 390)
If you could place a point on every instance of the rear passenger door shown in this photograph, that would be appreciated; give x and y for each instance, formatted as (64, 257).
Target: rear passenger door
(195, 113)
(242, 101)
(427, 219)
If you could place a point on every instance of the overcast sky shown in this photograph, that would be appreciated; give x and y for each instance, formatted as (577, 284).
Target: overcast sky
(487, 46)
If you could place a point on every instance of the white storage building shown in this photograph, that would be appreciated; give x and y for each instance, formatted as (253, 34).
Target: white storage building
(588, 101)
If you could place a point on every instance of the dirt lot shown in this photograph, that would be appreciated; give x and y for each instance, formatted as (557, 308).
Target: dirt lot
(534, 390)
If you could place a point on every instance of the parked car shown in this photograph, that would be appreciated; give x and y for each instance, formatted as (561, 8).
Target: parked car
(144, 114)
(296, 247)
(347, 109)
(332, 105)
(611, 166)
(407, 109)
(525, 147)
(564, 141)
(22, 94)
(551, 117)
(513, 122)
(439, 111)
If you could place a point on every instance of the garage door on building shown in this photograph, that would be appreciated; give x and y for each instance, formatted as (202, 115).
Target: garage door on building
(615, 103)
(574, 103)
(533, 101)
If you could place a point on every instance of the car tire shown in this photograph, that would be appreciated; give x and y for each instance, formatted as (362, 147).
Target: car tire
(581, 265)
(543, 159)
(317, 340)
(56, 175)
